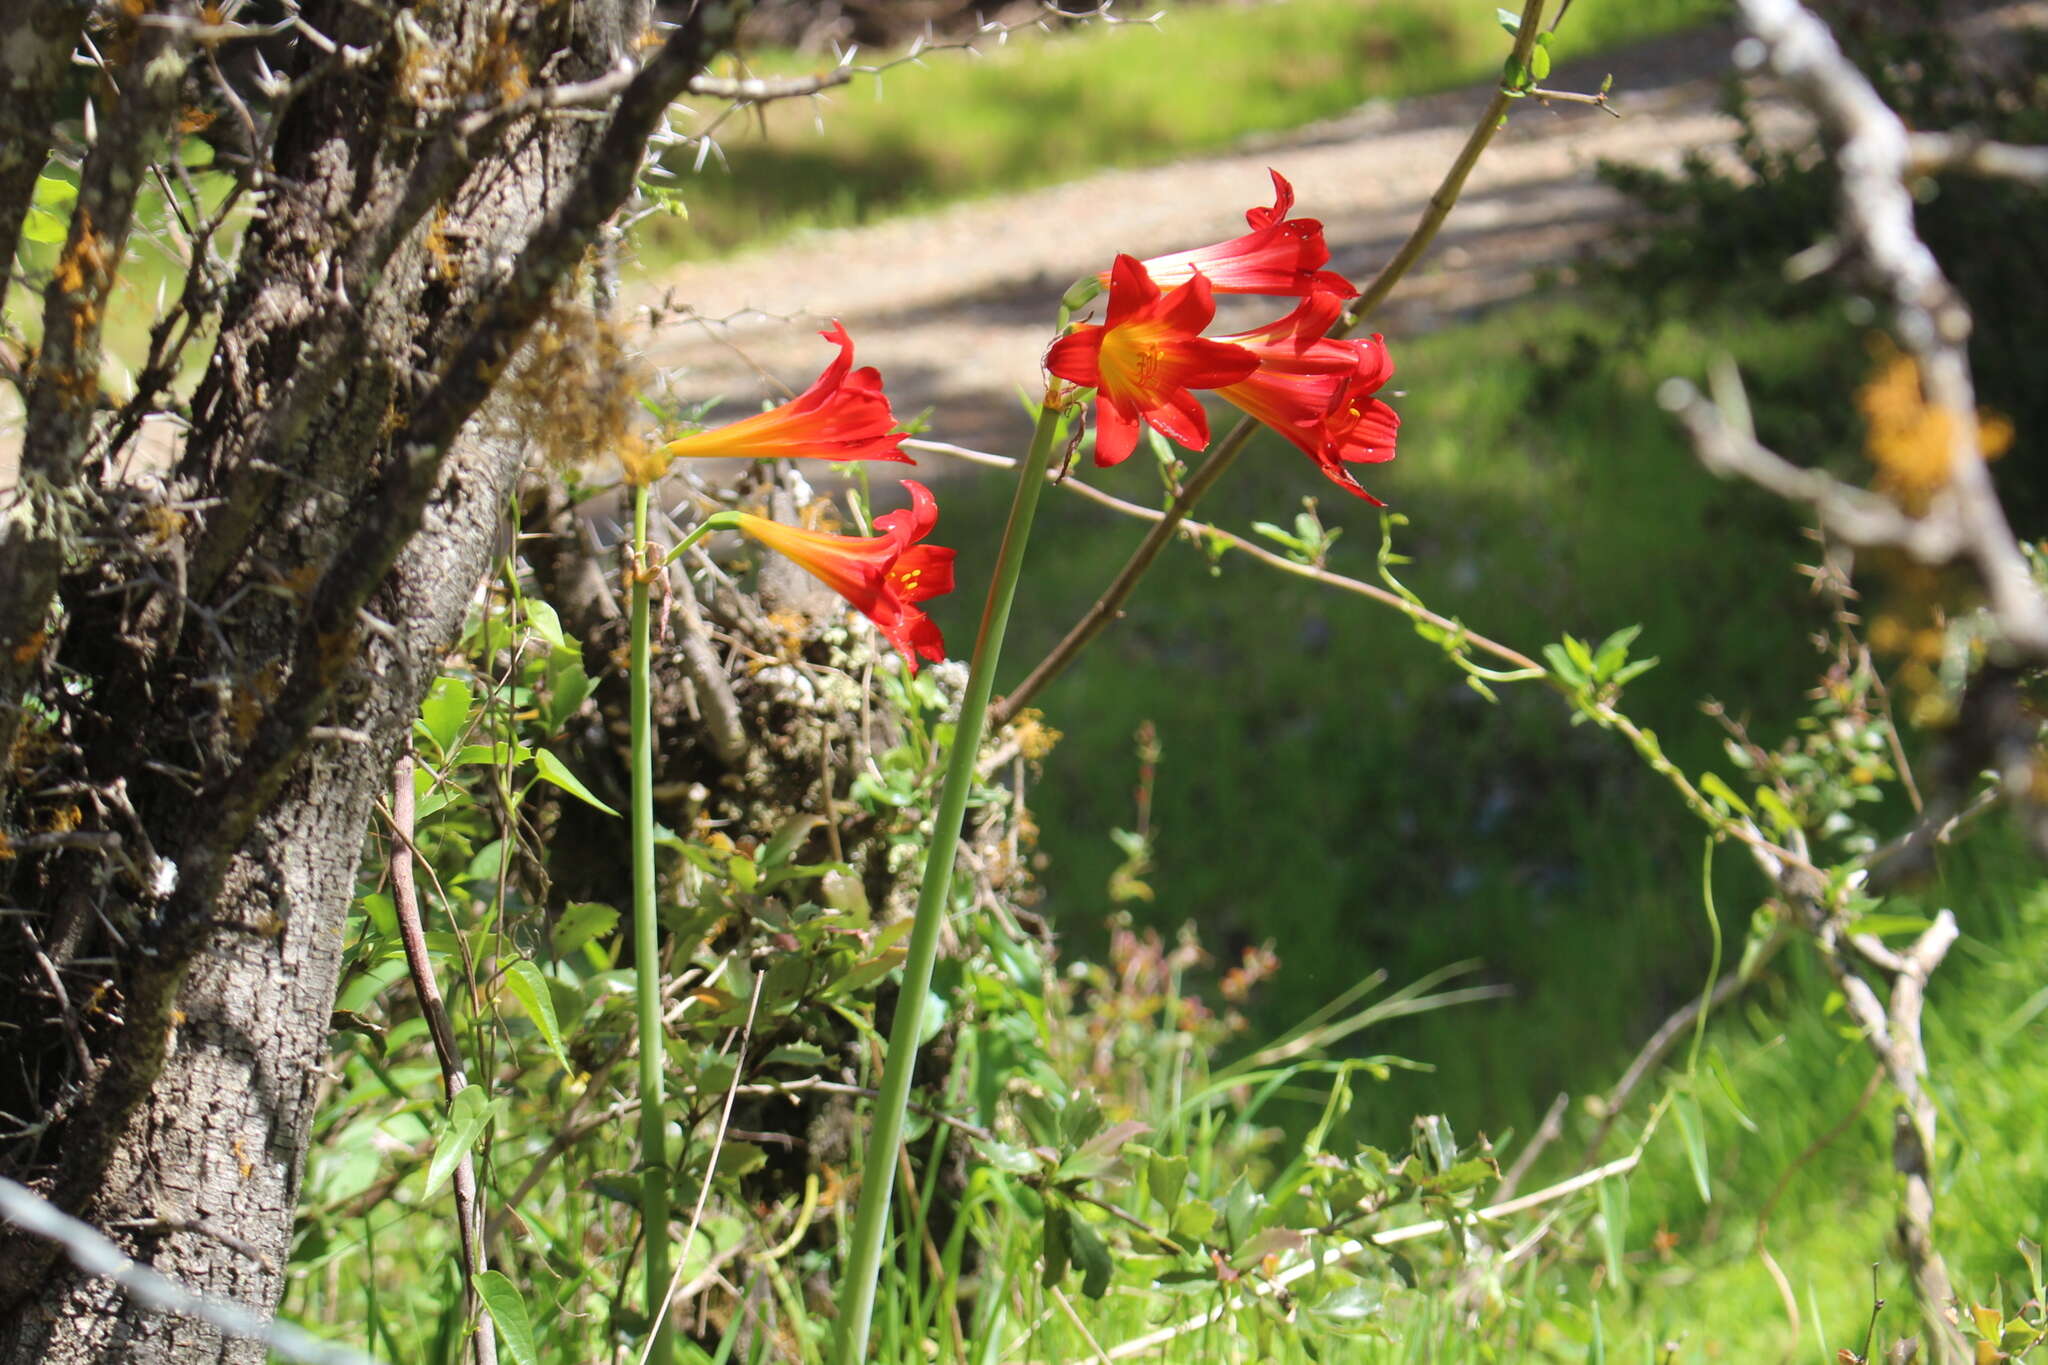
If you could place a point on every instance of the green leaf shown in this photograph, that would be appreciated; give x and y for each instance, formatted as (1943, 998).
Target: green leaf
(1242, 1205)
(788, 838)
(544, 622)
(493, 755)
(568, 687)
(1167, 1178)
(1509, 20)
(43, 226)
(508, 1311)
(553, 770)
(580, 923)
(1613, 651)
(445, 710)
(1058, 1222)
(467, 1115)
(1692, 1133)
(1561, 664)
(1539, 62)
(529, 986)
(1091, 1256)
(1613, 1195)
(1716, 789)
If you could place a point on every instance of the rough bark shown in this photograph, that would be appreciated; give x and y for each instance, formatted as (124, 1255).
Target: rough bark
(255, 638)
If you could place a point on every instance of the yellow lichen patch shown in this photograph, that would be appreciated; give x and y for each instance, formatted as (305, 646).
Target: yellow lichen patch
(1035, 739)
(446, 267)
(1910, 440)
(161, 525)
(572, 390)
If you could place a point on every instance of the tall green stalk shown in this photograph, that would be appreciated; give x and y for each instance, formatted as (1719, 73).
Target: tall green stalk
(864, 1265)
(654, 1175)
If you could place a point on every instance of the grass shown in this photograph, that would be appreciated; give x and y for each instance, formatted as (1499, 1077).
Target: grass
(1329, 785)
(1045, 109)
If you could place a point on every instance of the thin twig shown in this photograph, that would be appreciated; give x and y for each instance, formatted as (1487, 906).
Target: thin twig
(1346, 1250)
(405, 898)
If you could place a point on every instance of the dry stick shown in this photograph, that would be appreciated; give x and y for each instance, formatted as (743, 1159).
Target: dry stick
(1110, 604)
(405, 895)
(1345, 1251)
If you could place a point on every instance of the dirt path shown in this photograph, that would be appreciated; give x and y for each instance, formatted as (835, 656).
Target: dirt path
(956, 306)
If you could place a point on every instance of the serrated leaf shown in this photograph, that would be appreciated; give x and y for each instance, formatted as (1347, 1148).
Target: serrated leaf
(529, 986)
(580, 923)
(553, 770)
(467, 1115)
(508, 1311)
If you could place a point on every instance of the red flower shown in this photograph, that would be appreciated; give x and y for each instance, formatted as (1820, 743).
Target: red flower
(1317, 391)
(885, 576)
(1143, 359)
(841, 416)
(1280, 255)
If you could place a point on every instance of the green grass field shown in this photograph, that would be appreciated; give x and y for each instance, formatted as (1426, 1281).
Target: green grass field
(1329, 783)
(1039, 110)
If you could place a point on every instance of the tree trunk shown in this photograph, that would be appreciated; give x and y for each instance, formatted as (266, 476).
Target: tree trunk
(207, 673)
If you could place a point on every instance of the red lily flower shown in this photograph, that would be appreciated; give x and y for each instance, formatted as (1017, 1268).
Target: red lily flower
(884, 576)
(1280, 255)
(843, 415)
(1317, 390)
(1145, 357)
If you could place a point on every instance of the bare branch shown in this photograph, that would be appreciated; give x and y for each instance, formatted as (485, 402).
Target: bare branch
(91, 1252)
(1856, 515)
(1929, 153)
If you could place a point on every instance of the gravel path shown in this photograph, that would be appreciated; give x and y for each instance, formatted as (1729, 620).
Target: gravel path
(956, 306)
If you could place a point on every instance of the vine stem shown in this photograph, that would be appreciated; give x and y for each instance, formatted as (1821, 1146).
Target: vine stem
(654, 1182)
(864, 1260)
(1110, 605)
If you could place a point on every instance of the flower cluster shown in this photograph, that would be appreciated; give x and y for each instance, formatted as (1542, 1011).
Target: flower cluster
(1147, 356)
(1145, 361)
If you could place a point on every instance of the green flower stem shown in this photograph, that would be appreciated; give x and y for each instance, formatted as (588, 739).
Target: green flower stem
(654, 1174)
(864, 1264)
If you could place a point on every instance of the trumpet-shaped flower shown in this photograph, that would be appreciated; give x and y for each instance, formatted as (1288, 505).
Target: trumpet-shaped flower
(1280, 255)
(1317, 391)
(883, 576)
(1144, 359)
(843, 415)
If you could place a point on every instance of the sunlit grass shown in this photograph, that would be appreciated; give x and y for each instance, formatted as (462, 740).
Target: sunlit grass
(1039, 110)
